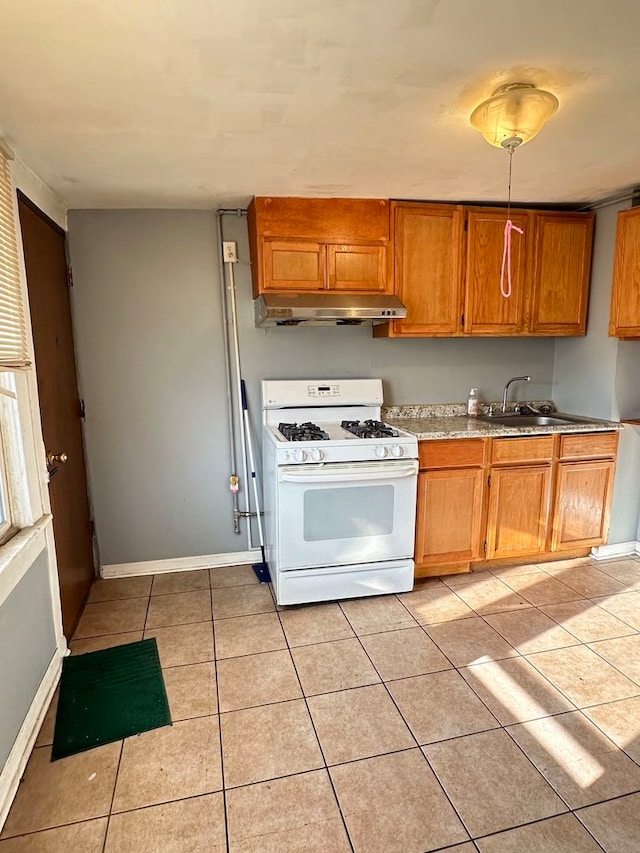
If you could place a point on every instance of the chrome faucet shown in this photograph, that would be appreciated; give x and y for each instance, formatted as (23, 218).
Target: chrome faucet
(506, 388)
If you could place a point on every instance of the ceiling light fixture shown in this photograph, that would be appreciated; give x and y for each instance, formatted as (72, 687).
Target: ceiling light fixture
(511, 117)
(514, 114)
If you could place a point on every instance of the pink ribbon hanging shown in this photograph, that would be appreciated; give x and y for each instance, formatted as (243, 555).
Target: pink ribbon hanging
(506, 257)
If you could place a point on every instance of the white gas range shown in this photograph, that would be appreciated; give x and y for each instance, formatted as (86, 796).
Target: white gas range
(340, 491)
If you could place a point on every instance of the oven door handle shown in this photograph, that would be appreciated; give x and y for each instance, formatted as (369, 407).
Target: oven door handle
(354, 477)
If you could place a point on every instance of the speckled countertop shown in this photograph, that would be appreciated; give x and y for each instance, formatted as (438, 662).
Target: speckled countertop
(449, 420)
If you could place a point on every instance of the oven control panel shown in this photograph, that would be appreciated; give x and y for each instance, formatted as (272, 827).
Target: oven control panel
(323, 390)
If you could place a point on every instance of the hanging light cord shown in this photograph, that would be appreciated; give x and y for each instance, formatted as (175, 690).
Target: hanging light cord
(506, 250)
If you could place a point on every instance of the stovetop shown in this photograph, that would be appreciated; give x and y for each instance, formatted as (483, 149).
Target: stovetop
(309, 431)
(331, 442)
(334, 421)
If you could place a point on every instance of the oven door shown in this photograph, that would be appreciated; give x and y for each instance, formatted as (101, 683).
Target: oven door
(338, 514)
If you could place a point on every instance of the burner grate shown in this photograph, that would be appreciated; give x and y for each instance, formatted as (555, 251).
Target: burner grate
(370, 429)
(303, 432)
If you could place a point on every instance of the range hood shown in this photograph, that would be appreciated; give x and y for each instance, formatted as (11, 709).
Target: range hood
(327, 309)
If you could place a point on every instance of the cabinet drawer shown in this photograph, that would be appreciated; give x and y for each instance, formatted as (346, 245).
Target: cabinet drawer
(588, 446)
(452, 453)
(517, 450)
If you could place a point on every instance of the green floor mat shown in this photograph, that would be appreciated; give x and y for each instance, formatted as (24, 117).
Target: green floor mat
(108, 695)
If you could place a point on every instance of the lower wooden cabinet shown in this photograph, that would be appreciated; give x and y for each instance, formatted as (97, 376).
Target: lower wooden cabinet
(583, 497)
(450, 515)
(519, 507)
(487, 499)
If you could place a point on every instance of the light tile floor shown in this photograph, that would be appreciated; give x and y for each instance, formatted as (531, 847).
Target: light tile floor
(496, 713)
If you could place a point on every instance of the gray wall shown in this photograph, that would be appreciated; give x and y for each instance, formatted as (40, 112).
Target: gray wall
(27, 640)
(150, 357)
(598, 375)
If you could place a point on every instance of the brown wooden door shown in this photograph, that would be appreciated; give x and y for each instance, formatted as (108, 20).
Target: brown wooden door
(625, 297)
(487, 311)
(294, 265)
(46, 267)
(561, 272)
(518, 516)
(583, 498)
(359, 268)
(428, 259)
(449, 515)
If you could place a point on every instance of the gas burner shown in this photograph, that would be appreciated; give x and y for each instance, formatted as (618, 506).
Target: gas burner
(304, 432)
(370, 429)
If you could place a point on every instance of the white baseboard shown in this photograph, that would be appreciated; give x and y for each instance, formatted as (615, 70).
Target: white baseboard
(21, 750)
(180, 564)
(618, 549)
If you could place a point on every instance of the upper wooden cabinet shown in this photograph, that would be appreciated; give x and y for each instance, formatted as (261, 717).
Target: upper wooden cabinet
(428, 246)
(625, 298)
(448, 261)
(561, 269)
(486, 310)
(313, 244)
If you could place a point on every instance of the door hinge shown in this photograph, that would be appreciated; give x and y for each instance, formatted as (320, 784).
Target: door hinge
(81, 408)
(69, 277)
(489, 480)
(485, 546)
(462, 320)
(466, 225)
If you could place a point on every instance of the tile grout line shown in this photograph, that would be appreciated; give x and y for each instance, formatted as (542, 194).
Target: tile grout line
(313, 725)
(540, 821)
(113, 797)
(222, 779)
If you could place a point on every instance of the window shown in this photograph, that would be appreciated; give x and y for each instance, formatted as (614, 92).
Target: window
(14, 349)
(15, 507)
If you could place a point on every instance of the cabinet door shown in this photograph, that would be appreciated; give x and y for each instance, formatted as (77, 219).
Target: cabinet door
(428, 262)
(625, 298)
(449, 515)
(487, 311)
(582, 501)
(362, 268)
(561, 270)
(289, 265)
(518, 518)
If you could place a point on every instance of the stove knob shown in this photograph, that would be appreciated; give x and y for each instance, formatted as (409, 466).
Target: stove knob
(397, 451)
(381, 452)
(317, 455)
(300, 455)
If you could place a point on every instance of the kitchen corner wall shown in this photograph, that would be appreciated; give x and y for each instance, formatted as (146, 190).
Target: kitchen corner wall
(147, 315)
(598, 375)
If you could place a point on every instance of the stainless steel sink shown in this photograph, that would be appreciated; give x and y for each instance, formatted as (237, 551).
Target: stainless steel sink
(515, 420)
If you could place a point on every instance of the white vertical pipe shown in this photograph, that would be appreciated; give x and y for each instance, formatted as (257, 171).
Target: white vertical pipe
(236, 351)
(227, 363)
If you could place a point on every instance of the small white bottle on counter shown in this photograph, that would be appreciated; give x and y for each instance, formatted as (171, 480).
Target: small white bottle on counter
(473, 404)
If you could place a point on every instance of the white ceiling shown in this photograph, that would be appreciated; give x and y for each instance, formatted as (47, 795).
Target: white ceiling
(204, 103)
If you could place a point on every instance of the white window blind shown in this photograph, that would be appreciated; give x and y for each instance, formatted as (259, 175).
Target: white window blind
(13, 332)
